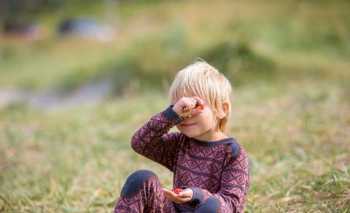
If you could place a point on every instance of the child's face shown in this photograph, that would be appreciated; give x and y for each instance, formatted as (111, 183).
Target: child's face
(200, 123)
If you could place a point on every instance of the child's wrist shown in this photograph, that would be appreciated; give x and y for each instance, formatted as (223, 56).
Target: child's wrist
(172, 115)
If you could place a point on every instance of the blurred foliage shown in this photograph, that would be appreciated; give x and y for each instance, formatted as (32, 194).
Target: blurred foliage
(246, 47)
(239, 61)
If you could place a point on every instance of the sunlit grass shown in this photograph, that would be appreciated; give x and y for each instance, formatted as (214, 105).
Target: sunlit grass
(78, 159)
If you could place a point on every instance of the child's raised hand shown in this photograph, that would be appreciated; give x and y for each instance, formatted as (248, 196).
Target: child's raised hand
(187, 107)
(181, 196)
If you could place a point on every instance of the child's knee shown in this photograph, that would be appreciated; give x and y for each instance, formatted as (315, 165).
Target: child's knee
(212, 204)
(135, 182)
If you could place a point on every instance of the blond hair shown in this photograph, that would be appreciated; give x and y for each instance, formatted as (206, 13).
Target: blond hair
(203, 80)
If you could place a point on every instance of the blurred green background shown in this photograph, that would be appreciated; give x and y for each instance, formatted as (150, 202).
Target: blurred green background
(78, 78)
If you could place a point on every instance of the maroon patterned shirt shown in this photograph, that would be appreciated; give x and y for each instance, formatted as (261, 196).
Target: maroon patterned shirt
(210, 168)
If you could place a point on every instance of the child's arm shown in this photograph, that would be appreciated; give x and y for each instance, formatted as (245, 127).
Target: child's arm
(153, 141)
(234, 186)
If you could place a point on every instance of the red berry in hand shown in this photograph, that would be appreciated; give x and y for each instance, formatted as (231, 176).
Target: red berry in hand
(177, 190)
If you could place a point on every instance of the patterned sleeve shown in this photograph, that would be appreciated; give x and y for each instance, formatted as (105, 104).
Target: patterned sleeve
(153, 141)
(234, 187)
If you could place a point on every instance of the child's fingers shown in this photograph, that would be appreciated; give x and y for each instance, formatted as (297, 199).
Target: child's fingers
(191, 102)
(169, 195)
(174, 198)
(169, 192)
(183, 200)
(196, 111)
(199, 100)
(186, 193)
(187, 199)
(166, 190)
(192, 105)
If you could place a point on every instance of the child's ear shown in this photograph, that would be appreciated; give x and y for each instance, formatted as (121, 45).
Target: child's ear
(224, 110)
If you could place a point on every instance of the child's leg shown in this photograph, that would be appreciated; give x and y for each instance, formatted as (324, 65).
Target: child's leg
(142, 192)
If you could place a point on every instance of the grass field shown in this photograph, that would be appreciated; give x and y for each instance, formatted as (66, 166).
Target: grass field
(291, 110)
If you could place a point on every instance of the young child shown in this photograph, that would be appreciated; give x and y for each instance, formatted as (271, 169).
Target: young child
(210, 168)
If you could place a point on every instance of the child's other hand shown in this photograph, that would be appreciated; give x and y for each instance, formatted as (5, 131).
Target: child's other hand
(187, 107)
(183, 196)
